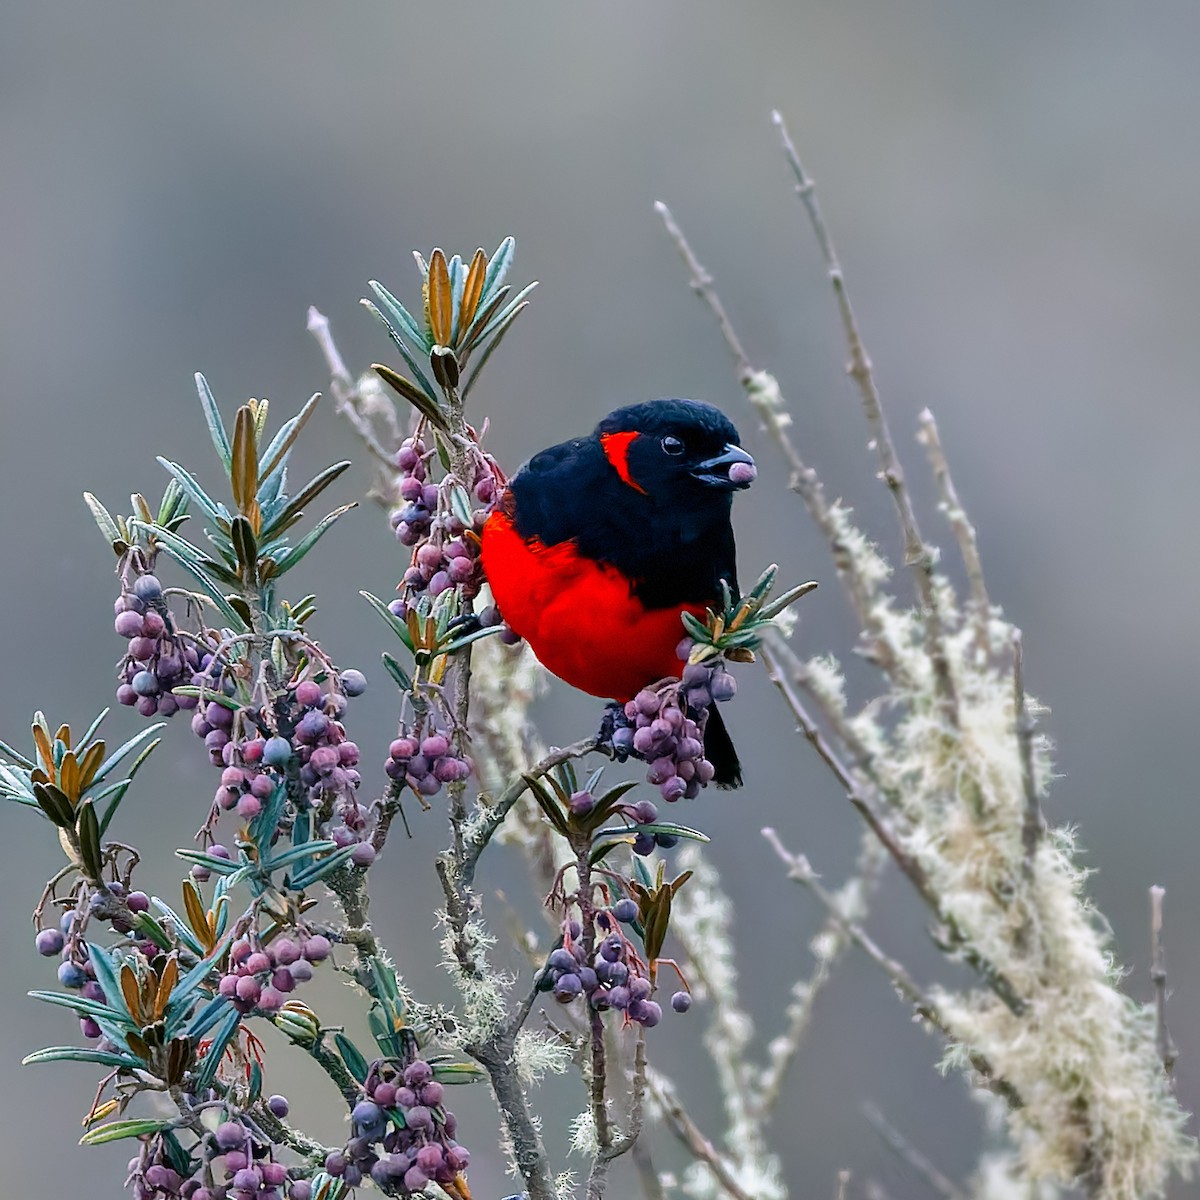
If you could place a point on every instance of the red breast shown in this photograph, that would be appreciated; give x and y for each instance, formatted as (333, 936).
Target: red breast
(580, 616)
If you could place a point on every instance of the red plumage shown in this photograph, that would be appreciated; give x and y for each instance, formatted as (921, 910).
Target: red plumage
(600, 544)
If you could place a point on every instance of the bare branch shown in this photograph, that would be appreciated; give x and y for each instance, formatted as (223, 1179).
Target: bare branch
(1167, 1050)
(1033, 825)
(896, 1142)
(350, 402)
(917, 554)
(762, 390)
(800, 870)
(960, 524)
(689, 1133)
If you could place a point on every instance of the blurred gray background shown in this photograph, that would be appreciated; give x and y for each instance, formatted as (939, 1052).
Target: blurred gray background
(1014, 191)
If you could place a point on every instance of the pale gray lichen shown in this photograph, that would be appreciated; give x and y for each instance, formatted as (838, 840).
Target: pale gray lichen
(1095, 1103)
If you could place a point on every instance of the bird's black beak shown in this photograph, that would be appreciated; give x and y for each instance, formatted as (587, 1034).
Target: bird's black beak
(732, 469)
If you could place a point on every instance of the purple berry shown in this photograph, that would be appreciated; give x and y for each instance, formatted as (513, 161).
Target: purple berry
(681, 1001)
(49, 942)
(277, 752)
(230, 1135)
(625, 910)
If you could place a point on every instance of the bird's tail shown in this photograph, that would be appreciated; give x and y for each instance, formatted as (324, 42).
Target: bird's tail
(720, 751)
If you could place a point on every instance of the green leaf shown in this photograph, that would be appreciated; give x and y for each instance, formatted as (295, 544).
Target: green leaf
(118, 790)
(104, 519)
(245, 546)
(307, 494)
(55, 805)
(19, 758)
(126, 748)
(422, 380)
(398, 315)
(88, 1054)
(501, 330)
(310, 875)
(216, 427)
(427, 407)
(201, 568)
(296, 853)
(206, 1017)
(298, 551)
(221, 1038)
(398, 627)
(695, 627)
(146, 925)
(85, 1008)
(397, 672)
(182, 992)
(276, 453)
(352, 1057)
(116, 1130)
(497, 267)
(106, 977)
(215, 512)
(222, 866)
(89, 839)
(548, 804)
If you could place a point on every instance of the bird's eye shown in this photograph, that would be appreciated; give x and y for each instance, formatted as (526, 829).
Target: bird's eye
(672, 445)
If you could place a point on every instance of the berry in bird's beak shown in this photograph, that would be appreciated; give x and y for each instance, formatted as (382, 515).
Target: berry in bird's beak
(732, 469)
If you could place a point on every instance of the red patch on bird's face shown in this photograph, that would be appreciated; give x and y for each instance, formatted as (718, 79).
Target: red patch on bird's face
(616, 450)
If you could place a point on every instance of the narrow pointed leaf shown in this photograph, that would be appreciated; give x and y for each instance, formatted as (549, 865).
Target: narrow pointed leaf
(128, 747)
(424, 404)
(216, 427)
(301, 548)
(103, 518)
(398, 627)
(500, 332)
(472, 291)
(89, 839)
(351, 1055)
(398, 315)
(88, 1054)
(212, 1059)
(117, 1130)
(440, 299)
(204, 502)
(311, 490)
(408, 356)
(397, 672)
(498, 266)
(285, 439)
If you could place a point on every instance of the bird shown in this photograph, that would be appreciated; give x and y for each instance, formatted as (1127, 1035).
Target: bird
(598, 545)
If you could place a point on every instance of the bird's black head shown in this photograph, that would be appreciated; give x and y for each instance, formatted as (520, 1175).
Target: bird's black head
(673, 450)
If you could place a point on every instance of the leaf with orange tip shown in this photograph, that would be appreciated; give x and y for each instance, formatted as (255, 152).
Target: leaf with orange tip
(441, 299)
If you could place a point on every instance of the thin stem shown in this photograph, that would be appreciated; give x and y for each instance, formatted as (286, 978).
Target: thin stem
(960, 524)
(346, 393)
(923, 1004)
(917, 554)
(1158, 973)
(501, 807)
(899, 1145)
(689, 1133)
(1032, 824)
(762, 390)
(869, 802)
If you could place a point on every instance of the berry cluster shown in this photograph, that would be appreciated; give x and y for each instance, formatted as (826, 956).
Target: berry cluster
(663, 733)
(241, 1166)
(256, 761)
(613, 976)
(403, 1136)
(426, 763)
(259, 977)
(704, 682)
(445, 543)
(156, 660)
